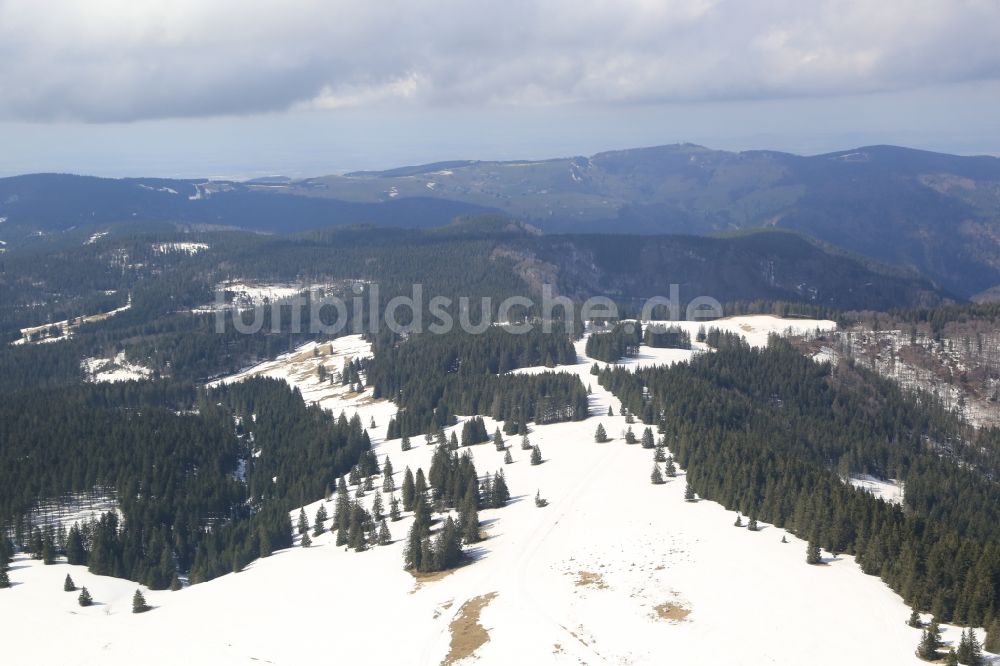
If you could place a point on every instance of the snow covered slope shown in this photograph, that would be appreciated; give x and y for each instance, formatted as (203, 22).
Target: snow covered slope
(614, 570)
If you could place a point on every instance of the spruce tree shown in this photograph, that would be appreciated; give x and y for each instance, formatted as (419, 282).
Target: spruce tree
(914, 620)
(4, 579)
(813, 555)
(393, 508)
(739, 521)
(611, 411)
(139, 602)
(689, 495)
(525, 443)
(377, 506)
(507, 458)
(647, 438)
(952, 658)
(600, 436)
(68, 584)
(263, 543)
(752, 525)
(539, 501)
(384, 537)
(970, 652)
(404, 444)
(319, 525)
(388, 484)
(992, 642)
(84, 599)
(656, 477)
(630, 436)
(407, 490)
(660, 455)
(930, 641)
(412, 552)
(420, 483)
(303, 521)
(536, 455)
(671, 469)
(498, 440)
(453, 442)
(306, 541)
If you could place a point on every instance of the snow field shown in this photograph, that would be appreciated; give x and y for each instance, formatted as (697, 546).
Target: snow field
(579, 581)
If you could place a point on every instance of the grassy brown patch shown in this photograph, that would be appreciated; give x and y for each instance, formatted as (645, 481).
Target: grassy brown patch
(467, 634)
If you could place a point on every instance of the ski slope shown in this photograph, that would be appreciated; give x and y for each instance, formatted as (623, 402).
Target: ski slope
(614, 570)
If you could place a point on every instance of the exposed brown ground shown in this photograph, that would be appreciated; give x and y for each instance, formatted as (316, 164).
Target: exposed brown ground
(590, 579)
(671, 611)
(467, 634)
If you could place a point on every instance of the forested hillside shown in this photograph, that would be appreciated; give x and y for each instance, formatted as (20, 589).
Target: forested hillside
(775, 436)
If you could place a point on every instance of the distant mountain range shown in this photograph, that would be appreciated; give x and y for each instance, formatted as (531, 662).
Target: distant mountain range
(937, 214)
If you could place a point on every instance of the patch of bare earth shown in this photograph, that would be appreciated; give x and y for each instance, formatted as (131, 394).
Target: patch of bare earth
(467, 634)
(670, 611)
(590, 579)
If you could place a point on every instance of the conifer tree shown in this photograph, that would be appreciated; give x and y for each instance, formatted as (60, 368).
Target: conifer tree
(377, 507)
(412, 553)
(647, 438)
(930, 641)
(784, 539)
(507, 458)
(914, 620)
(469, 516)
(630, 436)
(660, 455)
(671, 469)
(992, 642)
(656, 477)
(319, 525)
(970, 652)
(84, 599)
(306, 541)
(453, 442)
(498, 440)
(48, 549)
(813, 555)
(536, 455)
(384, 537)
(263, 543)
(539, 501)
(369, 483)
(68, 584)
(404, 444)
(689, 495)
(611, 411)
(600, 436)
(420, 483)
(752, 525)
(75, 553)
(303, 521)
(393, 507)
(388, 484)
(407, 490)
(4, 579)
(139, 602)
(525, 443)
(952, 658)
(739, 521)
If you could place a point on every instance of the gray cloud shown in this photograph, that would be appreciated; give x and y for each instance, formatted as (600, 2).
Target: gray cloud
(122, 60)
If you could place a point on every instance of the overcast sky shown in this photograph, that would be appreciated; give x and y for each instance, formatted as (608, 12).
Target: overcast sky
(241, 88)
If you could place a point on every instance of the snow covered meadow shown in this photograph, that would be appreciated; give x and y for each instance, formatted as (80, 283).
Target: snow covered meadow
(615, 570)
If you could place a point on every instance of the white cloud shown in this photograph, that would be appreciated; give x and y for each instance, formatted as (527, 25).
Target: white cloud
(115, 60)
